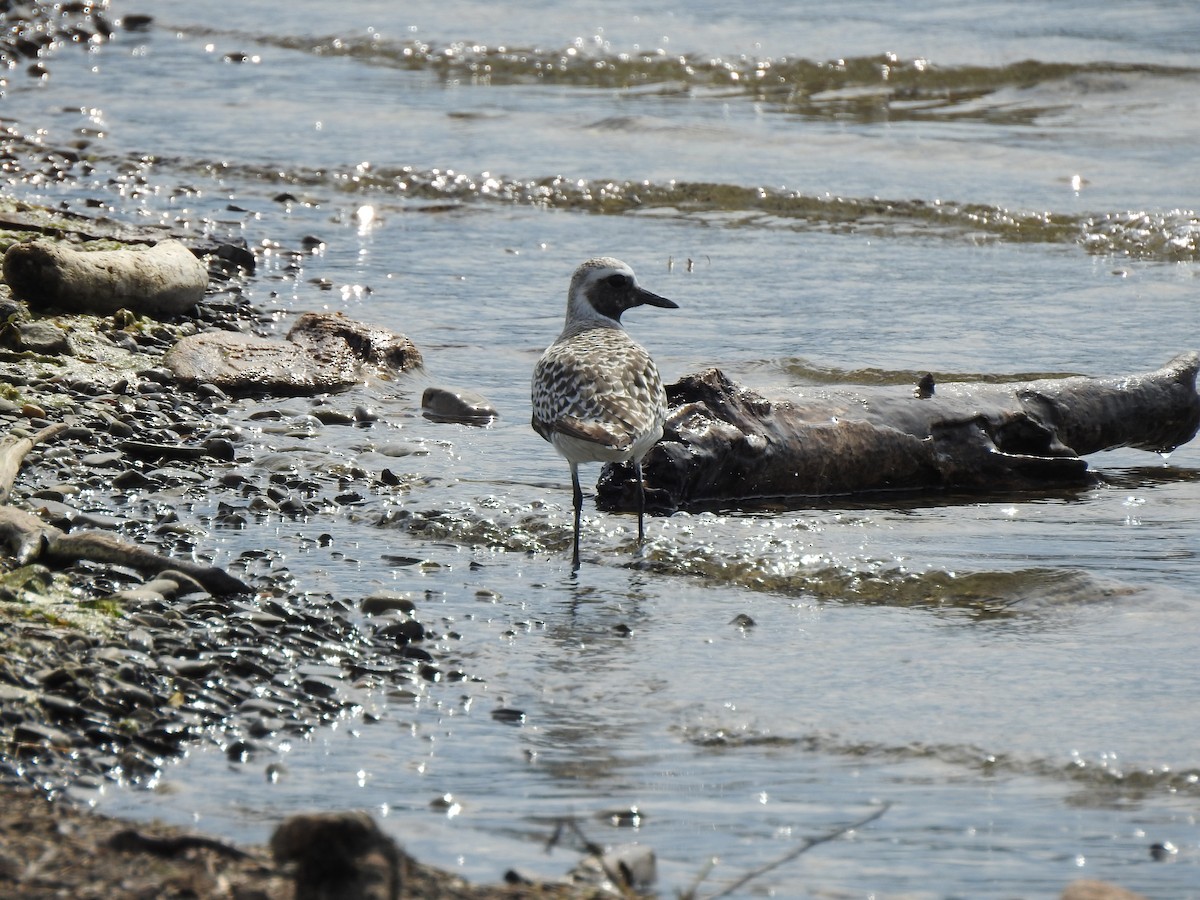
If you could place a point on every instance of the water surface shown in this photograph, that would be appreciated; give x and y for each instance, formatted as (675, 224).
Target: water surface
(980, 191)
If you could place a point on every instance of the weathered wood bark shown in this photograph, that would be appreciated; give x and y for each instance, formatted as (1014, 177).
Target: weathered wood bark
(724, 444)
(30, 539)
(163, 280)
(13, 451)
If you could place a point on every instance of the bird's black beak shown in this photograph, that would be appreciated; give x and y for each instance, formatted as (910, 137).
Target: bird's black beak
(648, 298)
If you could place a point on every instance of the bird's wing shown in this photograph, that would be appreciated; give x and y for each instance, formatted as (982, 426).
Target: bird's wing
(608, 398)
(593, 432)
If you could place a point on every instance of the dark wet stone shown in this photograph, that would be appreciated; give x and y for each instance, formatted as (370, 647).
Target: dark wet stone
(158, 375)
(80, 433)
(190, 668)
(402, 631)
(131, 479)
(416, 653)
(135, 696)
(327, 415)
(387, 601)
(149, 619)
(60, 708)
(631, 817)
(61, 515)
(62, 678)
(35, 734)
(465, 407)
(1163, 851)
(170, 731)
(509, 716)
(240, 751)
(174, 475)
(99, 520)
(265, 727)
(43, 337)
(320, 686)
(136, 22)
(116, 426)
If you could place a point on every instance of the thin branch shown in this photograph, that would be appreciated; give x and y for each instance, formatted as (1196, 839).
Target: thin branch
(805, 845)
(12, 454)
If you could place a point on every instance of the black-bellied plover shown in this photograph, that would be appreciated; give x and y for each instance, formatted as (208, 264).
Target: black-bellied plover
(597, 395)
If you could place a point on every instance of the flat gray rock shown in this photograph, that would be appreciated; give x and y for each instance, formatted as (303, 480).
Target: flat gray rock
(323, 352)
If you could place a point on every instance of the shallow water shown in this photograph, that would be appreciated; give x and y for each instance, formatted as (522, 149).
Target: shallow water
(1014, 675)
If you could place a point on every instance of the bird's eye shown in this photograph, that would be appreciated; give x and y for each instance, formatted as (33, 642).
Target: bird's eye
(617, 281)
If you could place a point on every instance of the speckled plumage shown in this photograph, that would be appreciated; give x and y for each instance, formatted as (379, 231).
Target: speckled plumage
(597, 395)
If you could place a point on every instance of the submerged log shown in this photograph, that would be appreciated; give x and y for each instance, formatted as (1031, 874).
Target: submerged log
(724, 444)
(163, 280)
(28, 539)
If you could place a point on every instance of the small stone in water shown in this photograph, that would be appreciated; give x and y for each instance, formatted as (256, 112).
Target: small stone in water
(509, 716)
(465, 407)
(387, 601)
(240, 751)
(1162, 850)
(623, 818)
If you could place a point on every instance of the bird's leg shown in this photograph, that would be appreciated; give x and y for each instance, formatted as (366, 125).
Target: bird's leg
(577, 497)
(637, 473)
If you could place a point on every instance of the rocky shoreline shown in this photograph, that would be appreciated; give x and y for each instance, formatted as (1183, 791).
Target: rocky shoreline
(112, 665)
(108, 668)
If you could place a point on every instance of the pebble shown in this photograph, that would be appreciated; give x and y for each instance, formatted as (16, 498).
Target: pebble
(465, 407)
(401, 631)
(387, 601)
(42, 337)
(106, 460)
(320, 686)
(327, 415)
(166, 587)
(134, 597)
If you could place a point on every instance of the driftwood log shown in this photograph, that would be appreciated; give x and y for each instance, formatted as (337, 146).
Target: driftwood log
(163, 280)
(725, 445)
(13, 451)
(28, 539)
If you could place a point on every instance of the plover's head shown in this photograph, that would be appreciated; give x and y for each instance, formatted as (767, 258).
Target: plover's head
(605, 287)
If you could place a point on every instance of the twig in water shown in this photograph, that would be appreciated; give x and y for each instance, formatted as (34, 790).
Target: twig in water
(805, 845)
(572, 826)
